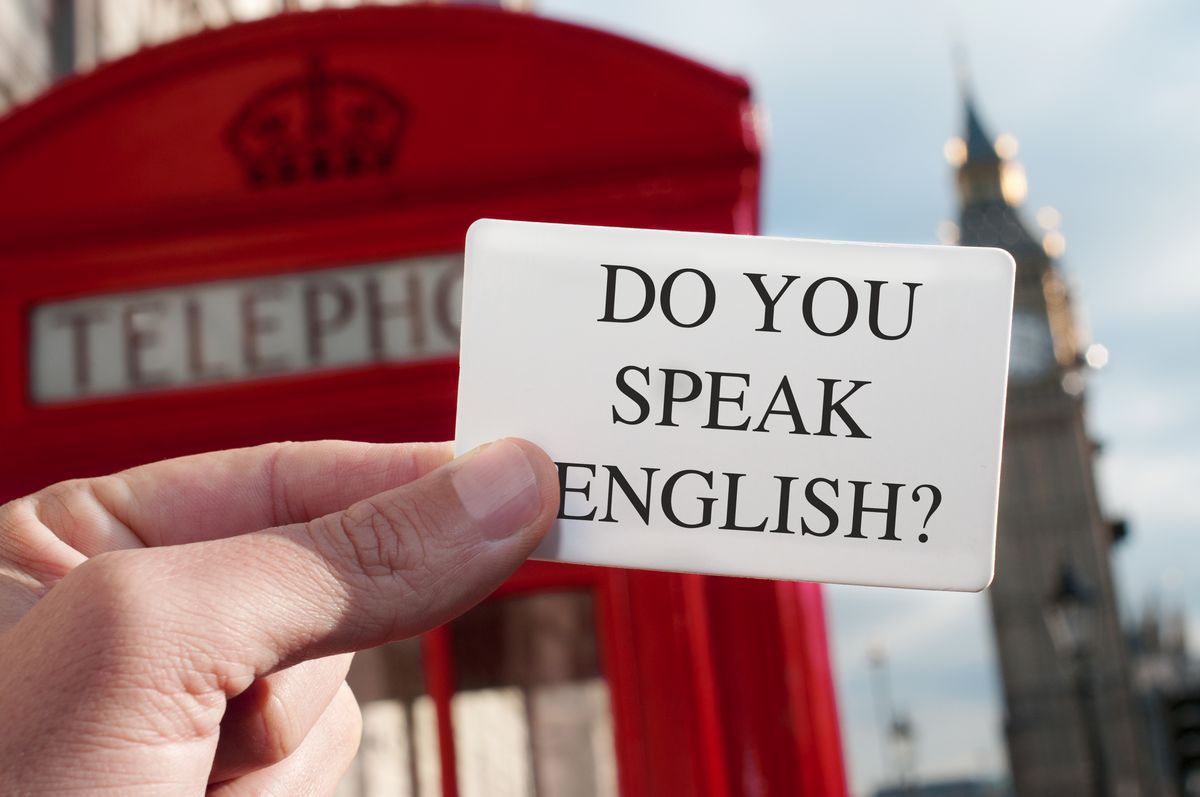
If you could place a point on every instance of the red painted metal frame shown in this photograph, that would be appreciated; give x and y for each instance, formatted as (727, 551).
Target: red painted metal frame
(439, 680)
(119, 181)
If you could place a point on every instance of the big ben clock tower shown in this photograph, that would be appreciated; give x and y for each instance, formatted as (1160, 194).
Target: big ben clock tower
(1070, 721)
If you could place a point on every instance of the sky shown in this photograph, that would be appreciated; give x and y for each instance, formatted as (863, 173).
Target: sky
(1104, 98)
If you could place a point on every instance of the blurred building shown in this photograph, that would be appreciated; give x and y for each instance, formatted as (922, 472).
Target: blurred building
(1166, 680)
(44, 40)
(1071, 723)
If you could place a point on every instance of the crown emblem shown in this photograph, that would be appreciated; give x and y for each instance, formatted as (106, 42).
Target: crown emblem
(318, 126)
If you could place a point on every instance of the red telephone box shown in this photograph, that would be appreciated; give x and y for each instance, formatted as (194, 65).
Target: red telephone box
(253, 234)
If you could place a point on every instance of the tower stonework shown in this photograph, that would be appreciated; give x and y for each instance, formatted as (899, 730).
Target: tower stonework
(1070, 722)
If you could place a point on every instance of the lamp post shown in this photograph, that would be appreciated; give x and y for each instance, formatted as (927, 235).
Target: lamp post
(1070, 617)
(898, 743)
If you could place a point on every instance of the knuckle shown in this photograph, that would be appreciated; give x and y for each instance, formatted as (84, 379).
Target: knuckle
(282, 503)
(13, 514)
(126, 609)
(116, 590)
(115, 616)
(58, 506)
(381, 547)
(126, 634)
(31, 548)
(401, 547)
(383, 537)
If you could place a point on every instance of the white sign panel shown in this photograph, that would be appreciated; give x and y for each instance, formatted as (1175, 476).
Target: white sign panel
(747, 406)
(237, 330)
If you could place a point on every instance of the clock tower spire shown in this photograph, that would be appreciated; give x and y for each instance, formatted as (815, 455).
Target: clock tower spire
(1070, 720)
(991, 187)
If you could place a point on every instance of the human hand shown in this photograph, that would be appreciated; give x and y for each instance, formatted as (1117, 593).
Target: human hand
(188, 624)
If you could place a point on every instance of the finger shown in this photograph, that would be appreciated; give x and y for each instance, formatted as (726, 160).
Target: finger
(269, 721)
(225, 493)
(317, 765)
(387, 568)
(32, 559)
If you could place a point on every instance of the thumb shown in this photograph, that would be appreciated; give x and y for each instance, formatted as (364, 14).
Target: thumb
(388, 567)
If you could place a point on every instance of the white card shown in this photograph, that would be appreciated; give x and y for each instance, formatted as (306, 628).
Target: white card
(708, 419)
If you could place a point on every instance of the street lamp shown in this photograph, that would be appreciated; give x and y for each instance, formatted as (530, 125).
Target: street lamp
(1069, 615)
(1070, 618)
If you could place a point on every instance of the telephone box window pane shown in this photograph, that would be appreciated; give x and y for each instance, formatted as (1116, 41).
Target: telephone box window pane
(398, 755)
(531, 715)
(491, 741)
(239, 330)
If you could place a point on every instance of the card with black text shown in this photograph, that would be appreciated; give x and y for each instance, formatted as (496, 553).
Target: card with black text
(745, 405)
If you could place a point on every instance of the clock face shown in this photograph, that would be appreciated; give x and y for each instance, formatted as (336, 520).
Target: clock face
(1032, 352)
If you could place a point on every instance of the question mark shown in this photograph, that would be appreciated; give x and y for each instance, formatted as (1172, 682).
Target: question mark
(936, 494)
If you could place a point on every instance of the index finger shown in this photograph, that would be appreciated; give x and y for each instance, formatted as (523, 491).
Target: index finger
(226, 493)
